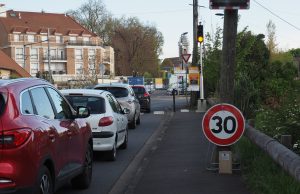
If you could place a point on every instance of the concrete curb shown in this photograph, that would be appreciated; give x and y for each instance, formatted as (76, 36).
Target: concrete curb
(132, 174)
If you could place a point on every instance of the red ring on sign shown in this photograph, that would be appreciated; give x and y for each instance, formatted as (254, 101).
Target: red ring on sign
(240, 121)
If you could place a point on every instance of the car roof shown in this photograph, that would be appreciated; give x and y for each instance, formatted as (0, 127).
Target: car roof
(84, 92)
(112, 85)
(7, 82)
(140, 86)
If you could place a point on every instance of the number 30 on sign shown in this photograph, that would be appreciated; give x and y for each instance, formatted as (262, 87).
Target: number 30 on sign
(223, 124)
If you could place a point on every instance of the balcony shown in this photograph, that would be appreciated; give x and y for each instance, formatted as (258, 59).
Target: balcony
(82, 43)
(56, 59)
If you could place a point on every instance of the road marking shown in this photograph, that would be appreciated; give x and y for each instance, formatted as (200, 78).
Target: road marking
(184, 110)
(159, 112)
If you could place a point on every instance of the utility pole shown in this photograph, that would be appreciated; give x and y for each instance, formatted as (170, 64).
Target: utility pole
(228, 56)
(49, 63)
(195, 24)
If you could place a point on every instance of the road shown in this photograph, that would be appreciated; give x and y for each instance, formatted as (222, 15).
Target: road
(106, 173)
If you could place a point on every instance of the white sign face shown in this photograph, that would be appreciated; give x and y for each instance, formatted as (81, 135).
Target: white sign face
(223, 124)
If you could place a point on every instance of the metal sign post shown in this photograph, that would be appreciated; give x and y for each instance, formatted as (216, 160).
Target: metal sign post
(102, 70)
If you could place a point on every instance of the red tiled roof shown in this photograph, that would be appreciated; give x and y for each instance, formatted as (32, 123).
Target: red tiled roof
(39, 22)
(175, 61)
(9, 64)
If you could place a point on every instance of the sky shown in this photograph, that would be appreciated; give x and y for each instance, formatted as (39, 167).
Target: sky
(174, 17)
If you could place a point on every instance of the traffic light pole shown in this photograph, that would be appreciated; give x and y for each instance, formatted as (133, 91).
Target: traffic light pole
(201, 76)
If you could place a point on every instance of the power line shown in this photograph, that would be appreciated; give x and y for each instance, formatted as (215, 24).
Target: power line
(155, 12)
(277, 15)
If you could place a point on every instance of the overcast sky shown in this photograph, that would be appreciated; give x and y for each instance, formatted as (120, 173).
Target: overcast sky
(173, 17)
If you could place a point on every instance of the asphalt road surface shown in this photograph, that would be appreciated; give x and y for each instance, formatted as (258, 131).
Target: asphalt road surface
(106, 173)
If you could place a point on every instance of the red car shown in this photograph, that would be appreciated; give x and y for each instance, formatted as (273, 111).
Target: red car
(44, 143)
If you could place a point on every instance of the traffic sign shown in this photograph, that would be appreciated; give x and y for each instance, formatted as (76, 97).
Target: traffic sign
(223, 124)
(229, 4)
(186, 57)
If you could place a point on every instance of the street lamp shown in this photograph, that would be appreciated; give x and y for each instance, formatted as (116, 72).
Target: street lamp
(180, 53)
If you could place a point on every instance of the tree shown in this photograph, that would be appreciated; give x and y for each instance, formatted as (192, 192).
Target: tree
(271, 38)
(94, 16)
(252, 65)
(212, 61)
(139, 47)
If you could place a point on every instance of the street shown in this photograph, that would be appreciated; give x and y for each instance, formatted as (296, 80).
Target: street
(106, 173)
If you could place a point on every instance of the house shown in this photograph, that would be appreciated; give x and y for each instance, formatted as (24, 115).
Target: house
(53, 43)
(169, 64)
(9, 68)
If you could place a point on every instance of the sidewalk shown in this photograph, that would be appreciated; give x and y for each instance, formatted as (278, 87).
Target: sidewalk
(178, 165)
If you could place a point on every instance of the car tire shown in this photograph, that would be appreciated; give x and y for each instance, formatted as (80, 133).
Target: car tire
(138, 121)
(44, 182)
(112, 154)
(125, 142)
(132, 124)
(83, 180)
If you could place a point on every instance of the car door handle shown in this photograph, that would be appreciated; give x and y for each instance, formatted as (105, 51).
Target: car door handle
(69, 133)
(52, 137)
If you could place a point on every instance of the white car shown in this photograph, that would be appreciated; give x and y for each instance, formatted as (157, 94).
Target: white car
(107, 119)
(126, 97)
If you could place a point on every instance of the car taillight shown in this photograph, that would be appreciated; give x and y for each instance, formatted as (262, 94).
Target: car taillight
(14, 138)
(105, 121)
(146, 94)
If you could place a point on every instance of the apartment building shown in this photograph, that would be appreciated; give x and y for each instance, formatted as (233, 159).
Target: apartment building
(56, 43)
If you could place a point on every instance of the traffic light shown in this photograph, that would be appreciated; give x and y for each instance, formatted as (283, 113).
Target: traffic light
(200, 36)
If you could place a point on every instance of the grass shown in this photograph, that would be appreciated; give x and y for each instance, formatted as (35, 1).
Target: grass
(262, 175)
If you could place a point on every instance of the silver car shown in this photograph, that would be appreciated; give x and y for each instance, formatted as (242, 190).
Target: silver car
(126, 97)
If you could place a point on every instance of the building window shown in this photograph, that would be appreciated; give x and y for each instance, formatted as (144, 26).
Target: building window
(53, 53)
(34, 54)
(58, 39)
(86, 39)
(19, 53)
(92, 54)
(30, 38)
(34, 68)
(44, 38)
(79, 68)
(78, 54)
(16, 37)
(72, 39)
(61, 54)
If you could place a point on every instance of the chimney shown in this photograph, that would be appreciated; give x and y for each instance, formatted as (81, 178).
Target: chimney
(2, 11)
(20, 15)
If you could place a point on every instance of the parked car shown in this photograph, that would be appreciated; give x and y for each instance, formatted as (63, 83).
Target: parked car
(143, 97)
(107, 120)
(126, 97)
(44, 142)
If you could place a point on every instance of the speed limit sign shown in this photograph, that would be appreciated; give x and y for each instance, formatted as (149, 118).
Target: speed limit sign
(223, 124)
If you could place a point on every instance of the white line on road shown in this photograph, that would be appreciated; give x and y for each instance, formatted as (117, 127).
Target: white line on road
(159, 112)
(184, 110)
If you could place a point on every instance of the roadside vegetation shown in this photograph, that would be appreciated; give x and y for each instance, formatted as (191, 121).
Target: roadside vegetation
(267, 90)
(261, 174)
